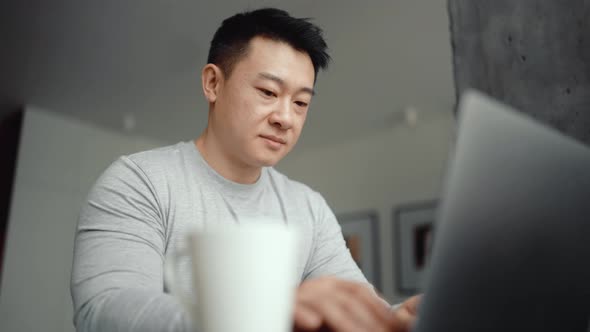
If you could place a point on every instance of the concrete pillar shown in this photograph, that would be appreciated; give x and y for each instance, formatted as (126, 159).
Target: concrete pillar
(531, 54)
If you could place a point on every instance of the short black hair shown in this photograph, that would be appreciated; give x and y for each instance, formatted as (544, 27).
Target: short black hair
(231, 40)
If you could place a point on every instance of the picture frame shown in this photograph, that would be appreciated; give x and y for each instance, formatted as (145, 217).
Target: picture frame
(414, 226)
(361, 234)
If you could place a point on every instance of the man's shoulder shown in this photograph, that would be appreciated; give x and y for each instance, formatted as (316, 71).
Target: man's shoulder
(164, 155)
(155, 165)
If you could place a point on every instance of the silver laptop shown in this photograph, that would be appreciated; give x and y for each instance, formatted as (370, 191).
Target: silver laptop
(512, 243)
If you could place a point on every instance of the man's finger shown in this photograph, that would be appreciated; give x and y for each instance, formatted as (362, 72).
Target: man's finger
(306, 318)
(411, 304)
(345, 312)
(368, 316)
(370, 300)
(406, 313)
(335, 311)
(404, 321)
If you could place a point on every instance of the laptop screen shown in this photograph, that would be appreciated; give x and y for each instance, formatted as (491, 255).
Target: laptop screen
(512, 247)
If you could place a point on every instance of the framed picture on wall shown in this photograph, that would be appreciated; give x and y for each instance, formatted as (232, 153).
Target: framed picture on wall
(414, 234)
(361, 234)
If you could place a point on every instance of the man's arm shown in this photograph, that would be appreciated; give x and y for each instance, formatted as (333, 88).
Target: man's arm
(330, 256)
(117, 274)
(335, 294)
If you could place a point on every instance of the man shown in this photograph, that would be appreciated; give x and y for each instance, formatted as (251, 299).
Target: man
(259, 81)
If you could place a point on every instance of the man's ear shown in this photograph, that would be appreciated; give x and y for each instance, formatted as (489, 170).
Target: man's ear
(212, 80)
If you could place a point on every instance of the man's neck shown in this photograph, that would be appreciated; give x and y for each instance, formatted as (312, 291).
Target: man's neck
(223, 164)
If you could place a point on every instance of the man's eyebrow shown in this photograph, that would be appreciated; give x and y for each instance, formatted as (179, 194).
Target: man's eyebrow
(281, 82)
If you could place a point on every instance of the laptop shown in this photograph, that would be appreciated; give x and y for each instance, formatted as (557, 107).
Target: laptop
(512, 244)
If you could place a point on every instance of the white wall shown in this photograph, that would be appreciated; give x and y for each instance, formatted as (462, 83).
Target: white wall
(59, 159)
(377, 172)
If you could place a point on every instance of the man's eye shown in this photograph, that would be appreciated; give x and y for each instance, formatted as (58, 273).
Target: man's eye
(267, 93)
(301, 104)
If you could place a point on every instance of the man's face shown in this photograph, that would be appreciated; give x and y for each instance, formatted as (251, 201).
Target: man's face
(260, 109)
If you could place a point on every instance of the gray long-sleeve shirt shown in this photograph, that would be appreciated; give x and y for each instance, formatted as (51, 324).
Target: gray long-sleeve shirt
(142, 207)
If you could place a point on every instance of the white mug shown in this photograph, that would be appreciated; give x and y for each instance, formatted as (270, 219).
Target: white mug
(243, 277)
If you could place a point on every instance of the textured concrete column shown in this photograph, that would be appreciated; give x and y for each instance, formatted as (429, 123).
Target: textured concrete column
(531, 54)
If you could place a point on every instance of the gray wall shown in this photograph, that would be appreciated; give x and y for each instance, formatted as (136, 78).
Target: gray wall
(533, 55)
(58, 160)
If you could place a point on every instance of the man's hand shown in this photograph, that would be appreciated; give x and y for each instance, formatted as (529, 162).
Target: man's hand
(331, 304)
(406, 314)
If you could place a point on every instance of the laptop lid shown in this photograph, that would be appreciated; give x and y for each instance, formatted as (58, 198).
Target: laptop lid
(512, 243)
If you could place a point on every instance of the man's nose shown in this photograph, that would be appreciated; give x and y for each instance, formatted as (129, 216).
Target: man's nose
(282, 116)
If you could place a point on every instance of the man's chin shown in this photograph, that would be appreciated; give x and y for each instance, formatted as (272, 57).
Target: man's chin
(267, 158)
(269, 161)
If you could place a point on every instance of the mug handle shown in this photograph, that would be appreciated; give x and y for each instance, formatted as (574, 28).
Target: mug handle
(173, 283)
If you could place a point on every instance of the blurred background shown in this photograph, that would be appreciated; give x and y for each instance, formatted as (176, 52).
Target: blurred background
(87, 81)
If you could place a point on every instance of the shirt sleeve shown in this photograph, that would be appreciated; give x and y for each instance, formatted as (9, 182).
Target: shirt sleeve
(120, 243)
(330, 256)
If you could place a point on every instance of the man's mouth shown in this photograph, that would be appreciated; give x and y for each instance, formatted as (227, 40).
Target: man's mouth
(274, 139)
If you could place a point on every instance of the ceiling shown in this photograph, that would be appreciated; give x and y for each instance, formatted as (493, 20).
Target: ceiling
(136, 64)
